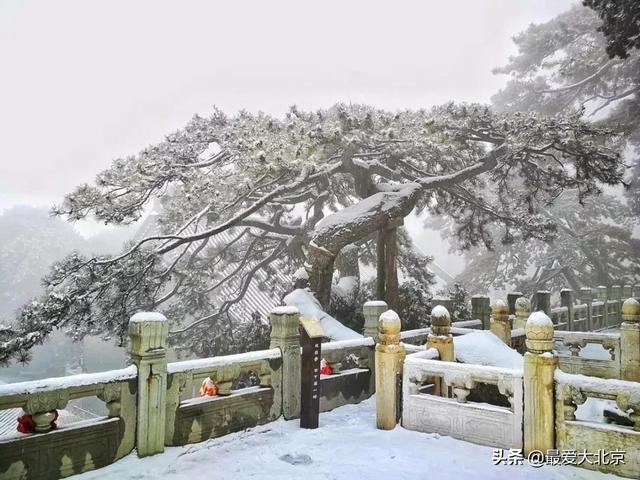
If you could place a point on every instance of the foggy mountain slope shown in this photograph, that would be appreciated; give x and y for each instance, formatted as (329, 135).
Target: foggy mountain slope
(30, 242)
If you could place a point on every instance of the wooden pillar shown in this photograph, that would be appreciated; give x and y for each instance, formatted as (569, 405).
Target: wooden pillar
(630, 341)
(566, 300)
(500, 326)
(481, 310)
(285, 335)
(390, 356)
(523, 310)
(371, 311)
(539, 367)
(148, 334)
(440, 336)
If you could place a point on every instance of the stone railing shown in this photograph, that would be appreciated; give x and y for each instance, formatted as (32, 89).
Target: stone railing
(353, 380)
(585, 436)
(249, 394)
(427, 406)
(53, 453)
(588, 309)
(576, 353)
(533, 408)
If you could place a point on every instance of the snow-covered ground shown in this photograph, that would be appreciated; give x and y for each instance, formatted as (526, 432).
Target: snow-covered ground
(346, 446)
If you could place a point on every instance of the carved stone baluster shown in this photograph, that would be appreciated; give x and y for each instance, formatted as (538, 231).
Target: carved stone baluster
(42, 408)
(111, 396)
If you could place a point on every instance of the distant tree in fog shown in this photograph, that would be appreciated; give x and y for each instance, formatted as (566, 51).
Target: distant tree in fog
(594, 246)
(563, 66)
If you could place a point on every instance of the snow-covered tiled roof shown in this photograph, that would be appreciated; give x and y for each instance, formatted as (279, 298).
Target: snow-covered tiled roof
(264, 292)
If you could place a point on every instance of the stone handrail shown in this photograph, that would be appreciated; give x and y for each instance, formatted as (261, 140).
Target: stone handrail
(39, 396)
(462, 377)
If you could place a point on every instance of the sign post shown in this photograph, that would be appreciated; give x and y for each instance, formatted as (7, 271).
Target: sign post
(310, 338)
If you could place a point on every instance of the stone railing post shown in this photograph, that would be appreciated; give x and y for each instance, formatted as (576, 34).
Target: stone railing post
(500, 326)
(566, 300)
(542, 302)
(371, 311)
(481, 310)
(511, 301)
(389, 361)
(627, 292)
(523, 310)
(285, 335)
(630, 341)
(440, 336)
(616, 294)
(586, 296)
(539, 367)
(603, 297)
(148, 334)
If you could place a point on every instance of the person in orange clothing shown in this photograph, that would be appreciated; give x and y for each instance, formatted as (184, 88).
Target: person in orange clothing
(208, 388)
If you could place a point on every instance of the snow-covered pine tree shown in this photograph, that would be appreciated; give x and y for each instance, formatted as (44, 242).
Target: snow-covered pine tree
(302, 188)
(563, 66)
(593, 246)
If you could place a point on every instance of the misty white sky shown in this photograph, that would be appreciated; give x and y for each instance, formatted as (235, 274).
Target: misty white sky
(82, 83)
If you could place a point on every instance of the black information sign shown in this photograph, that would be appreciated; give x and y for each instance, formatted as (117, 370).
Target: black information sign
(310, 338)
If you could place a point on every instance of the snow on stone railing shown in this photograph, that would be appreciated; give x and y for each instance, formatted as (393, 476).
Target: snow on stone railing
(422, 352)
(590, 353)
(70, 448)
(425, 410)
(202, 366)
(560, 317)
(38, 396)
(573, 434)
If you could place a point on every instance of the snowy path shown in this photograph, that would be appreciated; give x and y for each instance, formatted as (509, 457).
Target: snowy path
(346, 446)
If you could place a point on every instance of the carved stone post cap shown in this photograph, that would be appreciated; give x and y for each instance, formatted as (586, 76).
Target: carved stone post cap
(631, 310)
(148, 333)
(440, 321)
(285, 310)
(389, 323)
(500, 308)
(523, 304)
(440, 316)
(539, 333)
(374, 305)
(148, 317)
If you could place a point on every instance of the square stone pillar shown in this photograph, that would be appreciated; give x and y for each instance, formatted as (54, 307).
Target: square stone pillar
(481, 310)
(500, 325)
(630, 341)
(586, 296)
(371, 311)
(539, 367)
(285, 335)
(511, 301)
(566, 300)
(148, 334)
(542, 302)
(603, 296)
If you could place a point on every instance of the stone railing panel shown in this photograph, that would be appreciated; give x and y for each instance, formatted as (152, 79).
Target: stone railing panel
(76, 447)
(353, 379)
(580, 344)
(249, 394)
(460, 417)
(579, 436)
